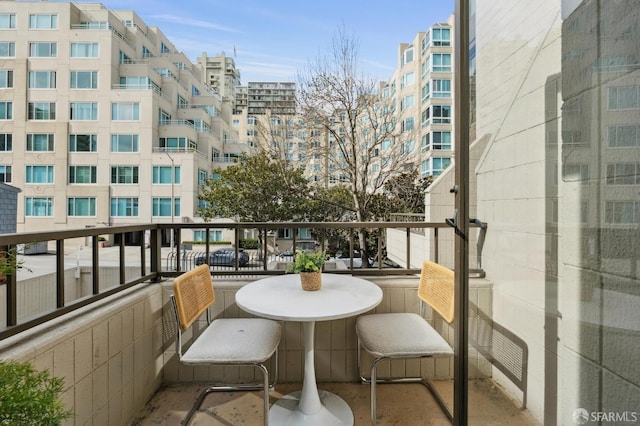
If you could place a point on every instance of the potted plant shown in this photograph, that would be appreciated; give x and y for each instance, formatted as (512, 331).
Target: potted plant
(309, 266)
(30, 397)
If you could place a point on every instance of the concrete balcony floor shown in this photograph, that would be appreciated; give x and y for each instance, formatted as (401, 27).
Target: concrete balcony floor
(398, 404)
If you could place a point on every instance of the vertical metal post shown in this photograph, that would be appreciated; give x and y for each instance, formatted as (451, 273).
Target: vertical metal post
(143, 255)
(59, 273)
(156, 253)
(461, 242)
(12, 287)
(95, 276)
(122, 262)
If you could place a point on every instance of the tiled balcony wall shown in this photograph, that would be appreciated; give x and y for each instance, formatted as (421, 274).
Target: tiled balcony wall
(108, 353)
(115, 353)
(335, 340)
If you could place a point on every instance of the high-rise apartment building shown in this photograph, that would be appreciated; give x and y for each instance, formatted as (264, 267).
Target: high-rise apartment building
(221, 74)
(102, 120)
(420, 95)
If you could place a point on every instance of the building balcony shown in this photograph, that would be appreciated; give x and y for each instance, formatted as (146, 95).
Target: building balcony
(94, 310)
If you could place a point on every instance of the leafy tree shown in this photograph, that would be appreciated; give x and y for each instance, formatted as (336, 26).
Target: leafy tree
(256, 189)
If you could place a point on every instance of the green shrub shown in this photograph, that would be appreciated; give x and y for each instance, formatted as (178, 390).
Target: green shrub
(30, 397)
(249, 243)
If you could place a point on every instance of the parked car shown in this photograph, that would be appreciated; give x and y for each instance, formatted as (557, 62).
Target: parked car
(223, 257)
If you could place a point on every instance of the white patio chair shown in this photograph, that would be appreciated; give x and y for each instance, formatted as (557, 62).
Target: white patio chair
(409, 335)
(225, 341)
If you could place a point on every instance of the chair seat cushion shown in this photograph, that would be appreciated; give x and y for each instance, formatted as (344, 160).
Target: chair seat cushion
(400, 335)
(235, 341)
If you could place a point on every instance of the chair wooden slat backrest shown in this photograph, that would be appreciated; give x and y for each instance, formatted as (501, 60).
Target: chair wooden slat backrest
(193, 292)
(436, 289)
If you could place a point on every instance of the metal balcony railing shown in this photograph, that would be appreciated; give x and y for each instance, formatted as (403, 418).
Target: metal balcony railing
(147, 263)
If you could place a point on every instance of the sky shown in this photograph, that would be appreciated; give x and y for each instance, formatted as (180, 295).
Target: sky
(272, 39)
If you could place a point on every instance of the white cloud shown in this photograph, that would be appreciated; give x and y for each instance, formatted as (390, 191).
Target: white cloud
(188, 22)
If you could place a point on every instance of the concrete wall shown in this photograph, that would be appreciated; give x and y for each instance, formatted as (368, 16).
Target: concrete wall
(514, 62)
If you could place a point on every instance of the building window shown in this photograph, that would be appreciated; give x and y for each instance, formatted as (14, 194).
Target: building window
(441, 114)
(39, 174)
(202, 177)
(201, 234)
(84, 111)
(146, 53)
(251, 121)
(164, 117)
(41, 111)
(408, 147)
(125, 111)
(38, 206)
(441, 141)
(81, 206)
(5, 174)
(162, 207)
(124, 143)
(43, 22)
(84, 50)
(437, 37)
(434, 166)
(42, 79)
(6, 142)
(177, 143)
(441, 62)
(83, 143)
(407, 102)
(407, 124)
(82, 174)
(124, 207)
(441, 88)
(627, 97)
(622, 212)
(7, 21)
(40, 142)
(124, 58)
(84, 80)
(43, 49)
(182, 102)
(6, 79)
(124, 174)
(6, 110)
(624, 136)
(164, 48)
(162, 175)
(7, 49)
(407, 80)
(623, 174)
(407, 56)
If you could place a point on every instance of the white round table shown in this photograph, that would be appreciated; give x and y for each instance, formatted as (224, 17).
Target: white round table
(281, 297)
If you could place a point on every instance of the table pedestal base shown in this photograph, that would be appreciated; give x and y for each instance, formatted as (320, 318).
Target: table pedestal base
(334, 411)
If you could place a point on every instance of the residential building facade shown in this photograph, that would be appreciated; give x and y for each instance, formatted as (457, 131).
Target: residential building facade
(103, 121)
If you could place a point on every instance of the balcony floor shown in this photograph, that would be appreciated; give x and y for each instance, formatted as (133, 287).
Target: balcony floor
(398, 404)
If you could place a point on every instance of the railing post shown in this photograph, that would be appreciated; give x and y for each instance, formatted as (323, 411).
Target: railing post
(408, 243)
(59, 273)
(12, 298)
(143, 254)
(121, 248)
(156, 253)
(95, 276)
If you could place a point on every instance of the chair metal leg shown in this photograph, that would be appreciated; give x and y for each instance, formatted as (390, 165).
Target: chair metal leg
(374, 380)
(265, 387)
